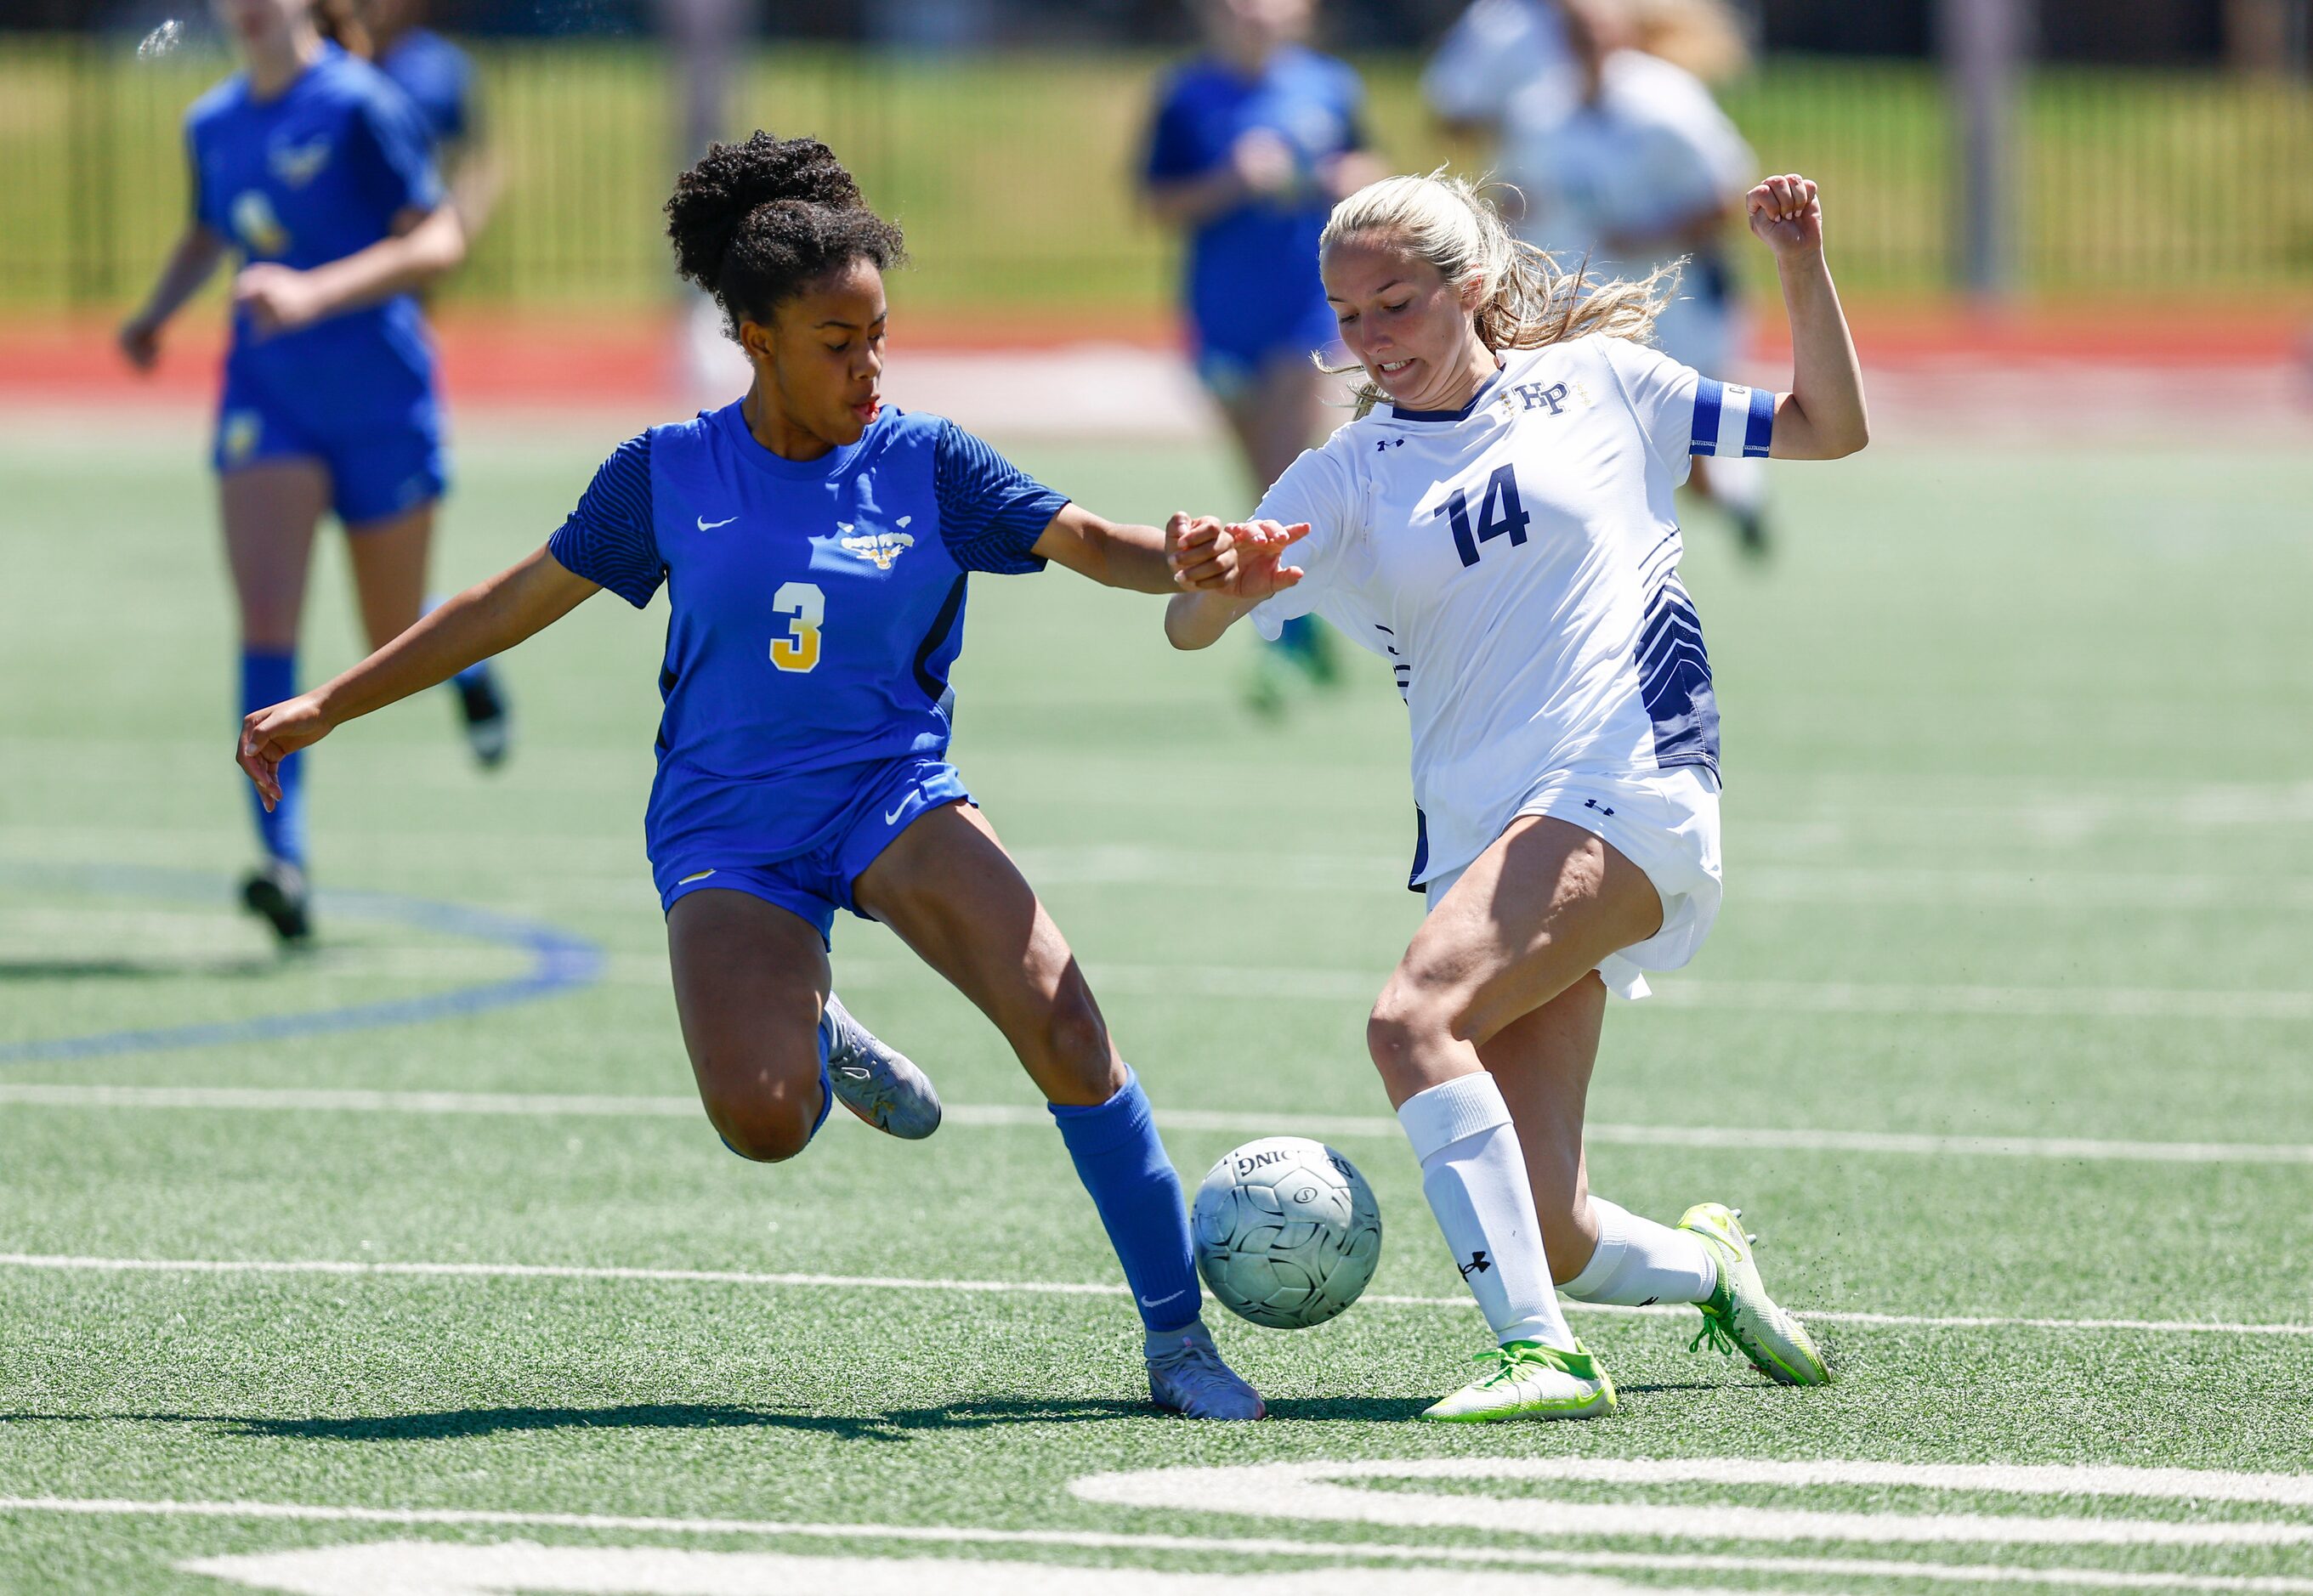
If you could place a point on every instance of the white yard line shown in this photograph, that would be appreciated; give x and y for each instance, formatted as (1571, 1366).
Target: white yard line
(356, 1268)
(1345, 1126)
(1333, 1548)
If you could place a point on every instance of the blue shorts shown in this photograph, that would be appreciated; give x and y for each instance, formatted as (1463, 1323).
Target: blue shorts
(815, 884)
(1230, 360)
(377, 471)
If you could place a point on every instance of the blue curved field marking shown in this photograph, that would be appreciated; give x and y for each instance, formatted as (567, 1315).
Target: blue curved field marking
(559, 961)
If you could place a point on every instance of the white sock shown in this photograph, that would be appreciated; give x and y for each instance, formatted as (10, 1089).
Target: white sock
(1638, 1262)
(1473, 1174)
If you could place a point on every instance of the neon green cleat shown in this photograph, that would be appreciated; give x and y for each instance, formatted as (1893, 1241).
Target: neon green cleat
(1530, 1380)
(1741, 1313)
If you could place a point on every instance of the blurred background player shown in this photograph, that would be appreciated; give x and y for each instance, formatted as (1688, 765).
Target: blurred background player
(1496, 50)
(314, 167)
(1628, 161)
(1251, 144)
(439, 80)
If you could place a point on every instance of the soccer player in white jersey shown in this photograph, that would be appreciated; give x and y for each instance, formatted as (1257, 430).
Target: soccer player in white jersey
(1498, 523)
(1626, 161)
(1494, 51)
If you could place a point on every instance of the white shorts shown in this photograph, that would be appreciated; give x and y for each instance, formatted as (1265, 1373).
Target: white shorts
(1664, 821)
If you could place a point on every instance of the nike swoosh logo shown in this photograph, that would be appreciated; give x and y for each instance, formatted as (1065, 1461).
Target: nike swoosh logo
(700, 876)
(1160, 1302)
(705, 525)
(895, 815)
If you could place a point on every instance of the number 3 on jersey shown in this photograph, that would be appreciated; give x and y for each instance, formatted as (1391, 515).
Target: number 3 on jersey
(1501, 514)
(806, 607)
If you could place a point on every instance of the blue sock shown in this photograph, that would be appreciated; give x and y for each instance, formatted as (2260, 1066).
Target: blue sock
(268, 677)
(1123, 1166)
(479, 671)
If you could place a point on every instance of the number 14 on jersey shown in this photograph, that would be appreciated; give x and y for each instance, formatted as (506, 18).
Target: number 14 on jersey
(1501, 514)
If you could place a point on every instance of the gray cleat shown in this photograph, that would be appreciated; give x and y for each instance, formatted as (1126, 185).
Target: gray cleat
(877, 1081)
(1192, 1380)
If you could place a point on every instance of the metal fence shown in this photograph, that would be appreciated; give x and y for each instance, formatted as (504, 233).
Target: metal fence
(1011, 171)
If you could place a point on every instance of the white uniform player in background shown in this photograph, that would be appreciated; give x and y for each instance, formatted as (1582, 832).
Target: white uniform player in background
(1499, 523)
(1627, 162)
(1496, 50)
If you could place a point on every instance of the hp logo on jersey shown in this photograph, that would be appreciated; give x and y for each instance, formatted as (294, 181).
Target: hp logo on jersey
(1536, 396)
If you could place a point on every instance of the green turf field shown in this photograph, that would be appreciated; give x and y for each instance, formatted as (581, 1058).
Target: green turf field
(2006, 1022)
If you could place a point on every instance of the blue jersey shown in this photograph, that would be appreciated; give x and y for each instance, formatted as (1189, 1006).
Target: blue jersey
(316, 174)
(439, 80)
(1252, 272)
(817, 608)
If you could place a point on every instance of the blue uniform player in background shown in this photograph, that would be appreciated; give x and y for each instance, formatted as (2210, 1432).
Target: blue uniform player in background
(1251, 144)
(439, 79)
(816, 553)
(315, 168)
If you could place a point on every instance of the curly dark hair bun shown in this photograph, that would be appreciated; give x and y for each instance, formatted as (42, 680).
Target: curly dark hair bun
(753, 223)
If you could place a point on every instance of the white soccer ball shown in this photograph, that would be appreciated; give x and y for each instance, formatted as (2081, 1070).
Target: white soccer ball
(1287, 1233)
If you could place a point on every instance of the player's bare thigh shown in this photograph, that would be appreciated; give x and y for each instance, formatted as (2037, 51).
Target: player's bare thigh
(270, 512)
(952, 893)
(389, 560)
(749, 981)
(1532, 915)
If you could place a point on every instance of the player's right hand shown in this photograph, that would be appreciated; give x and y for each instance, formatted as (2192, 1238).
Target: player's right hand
(140, 341)
(1263, 162)
(271, 734)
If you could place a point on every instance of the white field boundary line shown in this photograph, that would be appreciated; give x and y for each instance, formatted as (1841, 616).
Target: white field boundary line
(985, 1116)
(1973, 1573)
(358, 1268)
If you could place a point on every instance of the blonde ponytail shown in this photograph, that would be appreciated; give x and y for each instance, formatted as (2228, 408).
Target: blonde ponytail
(1524, 301)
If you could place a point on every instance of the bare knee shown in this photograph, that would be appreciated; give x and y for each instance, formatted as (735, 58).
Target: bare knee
(1075, 1064)
(1414, 1021)
(768, 1122)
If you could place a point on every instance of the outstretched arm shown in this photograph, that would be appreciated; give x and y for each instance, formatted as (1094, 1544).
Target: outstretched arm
(1823, 416)
(1224, 572)
(1128, 556)
(487, 618)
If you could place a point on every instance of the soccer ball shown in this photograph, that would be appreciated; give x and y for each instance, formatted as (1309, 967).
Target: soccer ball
(1287, 1233)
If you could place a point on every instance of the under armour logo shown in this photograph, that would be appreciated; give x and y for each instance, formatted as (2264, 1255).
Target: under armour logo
(1385, 443)
(1476, 1266)
(1594, 804)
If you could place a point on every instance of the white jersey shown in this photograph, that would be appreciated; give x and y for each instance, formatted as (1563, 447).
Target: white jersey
(1516, 563)
(1496, 49)
(1651, 154)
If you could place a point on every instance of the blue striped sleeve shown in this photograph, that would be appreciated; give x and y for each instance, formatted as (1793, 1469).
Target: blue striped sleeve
(609, 538)
(1732, 421)
(991, 512)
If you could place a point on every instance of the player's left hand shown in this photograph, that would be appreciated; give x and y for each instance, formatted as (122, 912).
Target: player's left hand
(1239, 559)
(277, 297)
(271, 734)
(1786, 215)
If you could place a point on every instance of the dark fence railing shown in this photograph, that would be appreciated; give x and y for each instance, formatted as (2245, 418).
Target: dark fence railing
(1011, 171)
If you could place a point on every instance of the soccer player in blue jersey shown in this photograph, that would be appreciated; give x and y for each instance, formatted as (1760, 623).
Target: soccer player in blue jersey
(816, 548)
(439, 80)
(1251, 144)
(314, 167)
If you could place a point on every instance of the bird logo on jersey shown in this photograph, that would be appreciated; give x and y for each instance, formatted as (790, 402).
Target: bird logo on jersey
(260, 228)
(299, 165)
(882, 547)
